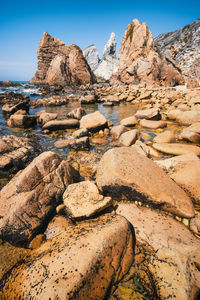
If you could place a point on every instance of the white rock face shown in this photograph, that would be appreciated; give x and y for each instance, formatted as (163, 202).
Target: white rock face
(92, 56)
(109, 63)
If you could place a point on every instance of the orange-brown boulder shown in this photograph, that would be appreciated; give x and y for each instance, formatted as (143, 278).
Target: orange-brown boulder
(61, 64)
(139, 60)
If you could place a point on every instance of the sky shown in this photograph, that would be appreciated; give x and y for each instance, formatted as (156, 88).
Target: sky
(22, 24)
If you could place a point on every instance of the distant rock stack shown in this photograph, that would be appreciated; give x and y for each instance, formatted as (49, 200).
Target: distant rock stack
(186, 44)
(108, 65)
(140, 61)
(92, 56)
(61, 64)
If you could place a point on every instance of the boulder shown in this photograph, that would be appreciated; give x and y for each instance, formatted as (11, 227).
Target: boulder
(188, 117)
(176, 149)
(153, 124)
(148, 114)
(77, 113)
(140, 62)
(93, 122)
(82, 200)
(191, 133)
(80, 143)
(124, 172)
(10, 109)
(130, 121)
(187, 175)
(117, 130)
(128, 138)
(174, 255)
(61, 124)
(61, 64)
(16, 152)
(80, 133)
(30, 198)
(88, 99)
(22, 121)
(46, 117)
(57, 268)
(165, 137)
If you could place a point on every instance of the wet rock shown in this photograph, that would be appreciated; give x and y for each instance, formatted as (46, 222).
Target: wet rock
(80, 143)
(172, 265)
(83, 200)
(124, 172)
(130, 121)
(77, 113)
(117, 130)
(176, 149)
(61, 124)
(108, 103)
(153, 124)
(10, 109)
(93, 122)
(191, 133)
(22, 121)
(46, 117)
(16, 152)
(107, 246)
(88, 99)
(30, 198)
(80, 133)
(148, 114)
(128, 138)
(165, 137)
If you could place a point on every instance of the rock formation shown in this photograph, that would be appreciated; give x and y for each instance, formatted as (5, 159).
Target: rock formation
(186, 44)
(139, 60)
(61, 64)
(108, 65)
(92, 56)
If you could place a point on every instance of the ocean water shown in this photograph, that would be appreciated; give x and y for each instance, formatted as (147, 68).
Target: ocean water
(24, 89)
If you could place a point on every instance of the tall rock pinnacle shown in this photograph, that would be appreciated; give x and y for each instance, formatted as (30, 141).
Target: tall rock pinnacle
(92, 56)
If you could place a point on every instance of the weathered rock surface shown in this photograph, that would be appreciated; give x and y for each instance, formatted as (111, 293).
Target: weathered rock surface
(61, 64)
(109, 63)
(188, 117)
(176, 149)
(77, 113)
(107, 246)
(88, 99)
(153, 124)
(80, 133)
(10, 109)
(30, 198)
(117, 130)
(187, 175)
(46, 117)
(173, 265)
(130, 121)
(139, 60)
(148, 114)
(22, 121)
(186, 44)
(82, 200)
(124, 172)
(165, 137)
(191, 133)
(15, 152)
(94, 121)
(61, 124)
(92, 56)
(128, 138)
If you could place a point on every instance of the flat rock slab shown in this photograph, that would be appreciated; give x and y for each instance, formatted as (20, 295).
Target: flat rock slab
(30, 198)
(61, 124)
(172, 265)
(129, 138)
(83, 199)
(165, 137)
(81, 263)
(176, 149)
(130, 121)
(124, 172)
(148, 114)
(188, 117)
(153, 124)
(93, 122)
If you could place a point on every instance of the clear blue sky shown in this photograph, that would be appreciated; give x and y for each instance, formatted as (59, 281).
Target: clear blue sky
(22, 24)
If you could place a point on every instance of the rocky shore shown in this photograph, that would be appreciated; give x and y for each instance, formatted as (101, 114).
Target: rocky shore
(112, 209)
